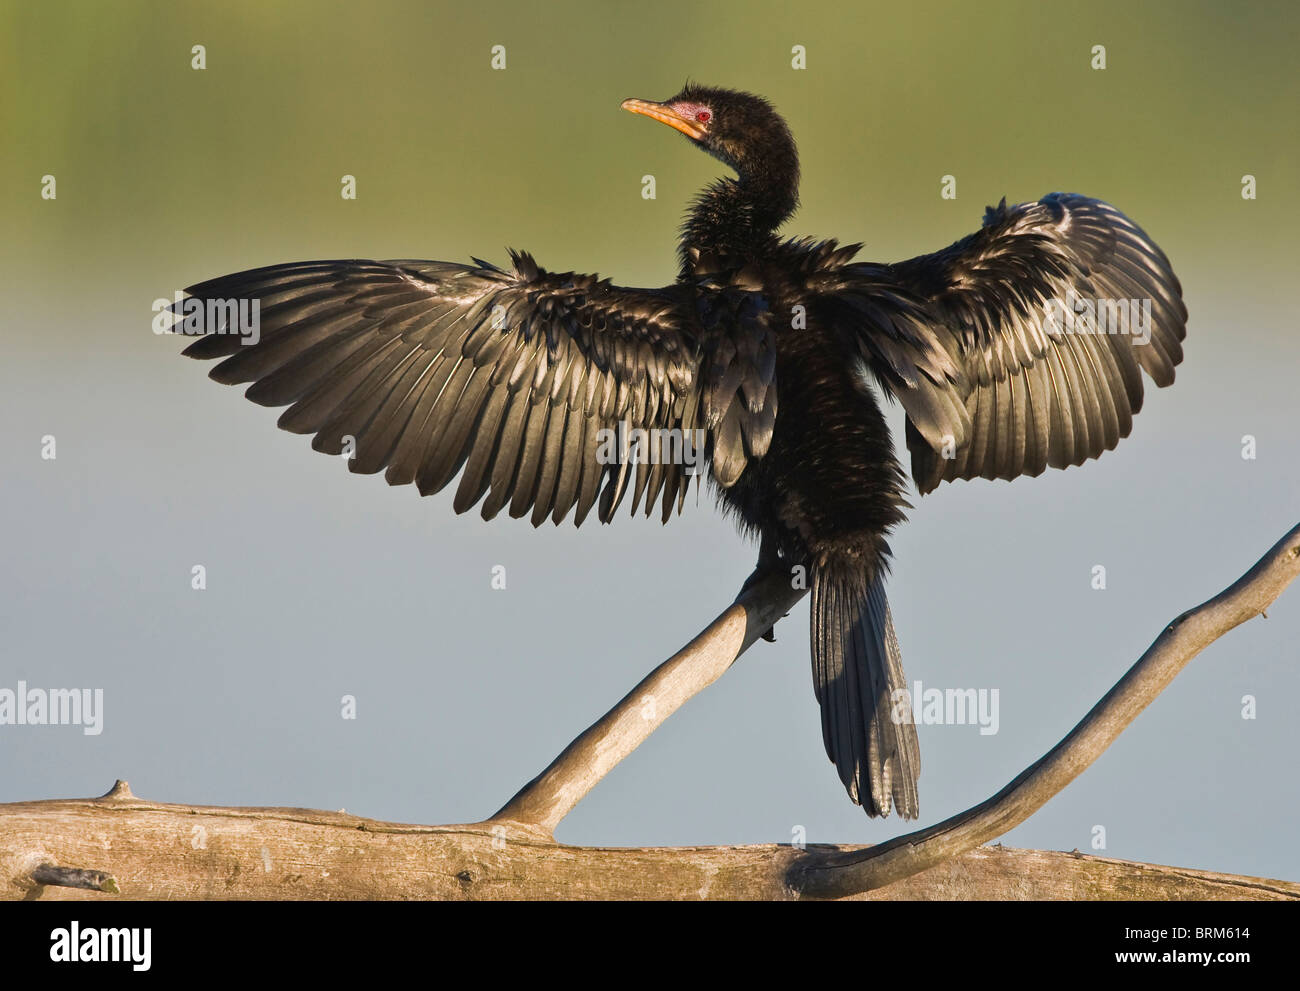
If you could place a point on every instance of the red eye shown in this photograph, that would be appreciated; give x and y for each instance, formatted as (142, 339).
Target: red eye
(704, 116)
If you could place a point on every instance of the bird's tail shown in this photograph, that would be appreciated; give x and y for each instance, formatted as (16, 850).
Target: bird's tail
(857, 676)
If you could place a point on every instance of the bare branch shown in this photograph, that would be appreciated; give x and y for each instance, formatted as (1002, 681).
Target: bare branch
(551, 795)
(838, 875)
(152, 850)
(172, 851)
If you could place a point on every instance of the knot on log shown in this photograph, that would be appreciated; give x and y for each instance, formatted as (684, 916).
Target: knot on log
(76, 877)
(120, 792)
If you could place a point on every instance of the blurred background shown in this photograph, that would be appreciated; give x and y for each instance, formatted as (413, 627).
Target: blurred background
(321, 584)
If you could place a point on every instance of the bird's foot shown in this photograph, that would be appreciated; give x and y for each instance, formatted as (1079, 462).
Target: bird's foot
(769, 563)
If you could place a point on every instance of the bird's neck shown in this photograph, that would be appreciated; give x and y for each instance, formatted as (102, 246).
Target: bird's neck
(734, 220)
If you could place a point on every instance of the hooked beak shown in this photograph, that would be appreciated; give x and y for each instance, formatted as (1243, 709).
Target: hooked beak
(665, 115)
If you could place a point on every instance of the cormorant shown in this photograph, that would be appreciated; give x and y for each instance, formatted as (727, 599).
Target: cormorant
(771, 350)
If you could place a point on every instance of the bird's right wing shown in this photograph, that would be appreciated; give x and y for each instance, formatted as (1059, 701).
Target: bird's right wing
(524, 379)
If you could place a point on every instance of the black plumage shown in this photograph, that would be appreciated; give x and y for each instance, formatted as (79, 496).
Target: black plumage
(772, 350)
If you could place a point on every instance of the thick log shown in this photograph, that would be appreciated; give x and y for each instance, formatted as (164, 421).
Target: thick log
(160, 851)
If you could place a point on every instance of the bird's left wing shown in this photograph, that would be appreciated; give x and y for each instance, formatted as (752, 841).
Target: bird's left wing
(1021, 346)
(535, 383)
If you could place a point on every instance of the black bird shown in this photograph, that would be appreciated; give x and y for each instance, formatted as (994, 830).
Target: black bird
(773, 351)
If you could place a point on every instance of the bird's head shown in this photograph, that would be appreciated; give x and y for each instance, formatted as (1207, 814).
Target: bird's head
(740, 129)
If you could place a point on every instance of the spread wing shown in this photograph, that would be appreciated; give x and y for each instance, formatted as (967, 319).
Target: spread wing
(552, 391)
(1021, 346)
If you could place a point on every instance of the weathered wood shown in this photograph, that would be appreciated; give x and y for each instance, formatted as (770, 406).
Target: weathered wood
(159, 851)
(1181, 640)
(551, 795)
(151, 850)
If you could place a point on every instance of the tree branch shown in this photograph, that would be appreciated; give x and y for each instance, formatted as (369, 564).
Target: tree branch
(550, 796)
(839, 875)
(64, 848)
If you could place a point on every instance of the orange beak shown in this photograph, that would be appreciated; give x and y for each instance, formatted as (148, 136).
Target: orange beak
(665, 115)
